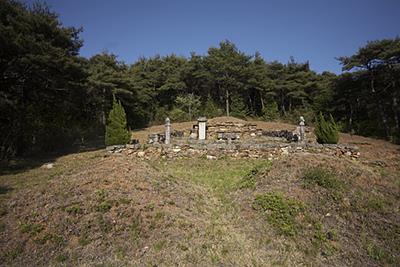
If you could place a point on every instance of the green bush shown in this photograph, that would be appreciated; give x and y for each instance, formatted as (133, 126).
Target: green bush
(321, 177)
(326, 179)
(281, 212)
(326, 131)
(270, 111)
(160, 114)
(211, 109)
(116, 131)
(178, 115)
(238, 107)
(250, 179)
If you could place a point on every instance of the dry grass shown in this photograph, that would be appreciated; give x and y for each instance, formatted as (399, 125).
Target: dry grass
(350, 210)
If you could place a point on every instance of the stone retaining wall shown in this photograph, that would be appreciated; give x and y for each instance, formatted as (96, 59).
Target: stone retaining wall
(235, 150)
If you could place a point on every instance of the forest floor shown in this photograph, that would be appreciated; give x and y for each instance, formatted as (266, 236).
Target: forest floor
(97, 208)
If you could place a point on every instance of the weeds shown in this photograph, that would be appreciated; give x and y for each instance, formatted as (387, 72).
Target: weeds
(160, 245)
(61, 258)
(14, 252)
(324, 178)
(250, 179)
(377, 253)
(84, 239)
(73, 209)
(135, 228)
(30, 228)
(104, 206)
(321, 177)
(104, 225)
(281, 212)
(375, 203)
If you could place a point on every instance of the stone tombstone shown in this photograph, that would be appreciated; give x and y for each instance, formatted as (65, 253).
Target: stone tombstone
(167, 131)
(302, 130)
(202, 127)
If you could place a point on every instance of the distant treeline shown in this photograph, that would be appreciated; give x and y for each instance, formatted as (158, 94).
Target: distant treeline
(51, 97)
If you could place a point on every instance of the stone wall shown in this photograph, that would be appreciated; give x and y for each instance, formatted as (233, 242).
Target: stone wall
(235, 150)
(232, 130)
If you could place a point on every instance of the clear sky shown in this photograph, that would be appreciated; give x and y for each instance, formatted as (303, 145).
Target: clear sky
(312, 30)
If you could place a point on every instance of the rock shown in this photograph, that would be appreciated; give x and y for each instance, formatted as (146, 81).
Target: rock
(141, 154)
(348, 153)
(110, 148)
(285, 151)
(48, 165)
(177, 133)
(133, 146)
(176, 149)
(115, 148)
(211, 157)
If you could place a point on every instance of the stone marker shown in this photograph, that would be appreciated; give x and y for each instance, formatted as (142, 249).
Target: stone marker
(202, 127)
(302, 131)
(167, 131)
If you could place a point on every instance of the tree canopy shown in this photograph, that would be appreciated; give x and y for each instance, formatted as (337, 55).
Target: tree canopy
(51, 97)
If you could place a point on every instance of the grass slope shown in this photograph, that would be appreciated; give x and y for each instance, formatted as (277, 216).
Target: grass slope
(94, 208)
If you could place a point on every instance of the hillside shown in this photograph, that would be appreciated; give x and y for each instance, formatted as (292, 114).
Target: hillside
(115, 209)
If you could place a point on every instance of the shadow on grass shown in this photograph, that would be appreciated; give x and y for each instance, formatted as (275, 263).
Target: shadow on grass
(5, 189)
(31, 161)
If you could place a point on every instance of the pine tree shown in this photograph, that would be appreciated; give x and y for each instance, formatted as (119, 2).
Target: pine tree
(211, 110)
(326, 131)
(116, 131)
(270, 111)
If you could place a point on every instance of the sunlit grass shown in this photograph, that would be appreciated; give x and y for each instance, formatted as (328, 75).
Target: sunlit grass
(221, 176)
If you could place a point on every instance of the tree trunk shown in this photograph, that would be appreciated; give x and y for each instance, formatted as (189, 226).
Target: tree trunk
(396, 112)
(251, 105)
(227, 101)
(351, 119)
(262, 102)
(380, 107)
(395, 105)
(103, 119)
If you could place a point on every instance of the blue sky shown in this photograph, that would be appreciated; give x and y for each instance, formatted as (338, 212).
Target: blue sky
(317, 31)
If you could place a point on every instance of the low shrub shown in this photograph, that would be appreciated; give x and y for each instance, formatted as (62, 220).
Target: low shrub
(321, 177)
(281, 212)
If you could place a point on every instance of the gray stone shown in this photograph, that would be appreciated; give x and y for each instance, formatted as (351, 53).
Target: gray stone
(167, 131)
(285, 151)
(176, 149)
(302, 130)
(48, 166)
(202, 128)
(211, 157)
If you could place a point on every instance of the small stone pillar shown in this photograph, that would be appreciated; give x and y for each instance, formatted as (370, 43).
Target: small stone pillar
(167, 131)
(202, 128)
(302, 131)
